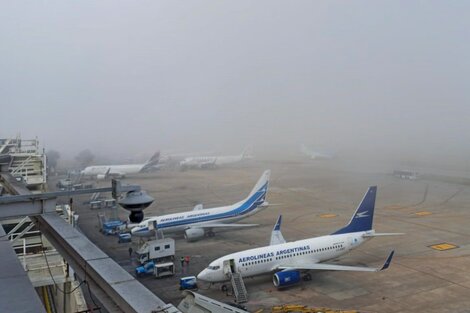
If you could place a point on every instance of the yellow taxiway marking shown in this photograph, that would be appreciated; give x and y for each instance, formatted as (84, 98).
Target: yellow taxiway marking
(423, 213)
(328, 215)
(443, 246)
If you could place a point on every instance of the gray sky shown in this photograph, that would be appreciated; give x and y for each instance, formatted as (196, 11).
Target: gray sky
(386, 77)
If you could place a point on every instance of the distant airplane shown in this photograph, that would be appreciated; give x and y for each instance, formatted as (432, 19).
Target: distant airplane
(288, 259)
(198, 222)
(212, 161)
(315, 154)
(119, 171)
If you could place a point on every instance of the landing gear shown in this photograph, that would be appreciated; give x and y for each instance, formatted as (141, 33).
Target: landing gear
(210, 233)
(307, 277)
(224, 288)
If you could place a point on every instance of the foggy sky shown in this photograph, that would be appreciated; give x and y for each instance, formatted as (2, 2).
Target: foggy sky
(129, 77)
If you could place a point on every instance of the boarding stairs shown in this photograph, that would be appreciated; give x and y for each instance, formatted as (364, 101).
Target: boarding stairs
(239, 288)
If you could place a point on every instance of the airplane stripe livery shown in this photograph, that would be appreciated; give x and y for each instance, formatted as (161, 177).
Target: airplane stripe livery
(197, 221)
(288, 259)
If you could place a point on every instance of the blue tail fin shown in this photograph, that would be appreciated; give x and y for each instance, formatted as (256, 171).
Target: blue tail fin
(364, 215)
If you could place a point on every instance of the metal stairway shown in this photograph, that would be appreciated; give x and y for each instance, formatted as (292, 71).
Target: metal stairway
(238, 287)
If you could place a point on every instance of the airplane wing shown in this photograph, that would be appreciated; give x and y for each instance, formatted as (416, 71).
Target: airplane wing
(217, 225)
(382, 234)
(276, 235)
(198, 207)
(334, 267)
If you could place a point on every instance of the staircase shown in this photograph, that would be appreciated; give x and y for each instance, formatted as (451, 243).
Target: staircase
(27, 162)
(239, 289)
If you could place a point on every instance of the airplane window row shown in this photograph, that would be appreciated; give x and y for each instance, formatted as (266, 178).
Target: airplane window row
(258, 262)
(328, 248)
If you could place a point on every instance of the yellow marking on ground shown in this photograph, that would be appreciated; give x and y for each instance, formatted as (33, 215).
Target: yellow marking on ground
(443, 246)
(328, 215)
(423, 213)
(393, 207)
(291, 308)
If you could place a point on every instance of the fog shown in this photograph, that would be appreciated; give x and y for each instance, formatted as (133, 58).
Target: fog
(374, 79)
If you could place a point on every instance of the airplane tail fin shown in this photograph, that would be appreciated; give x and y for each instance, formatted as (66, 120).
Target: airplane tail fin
(153, 159)
(364, 215)
(246, 153)
(258, 193)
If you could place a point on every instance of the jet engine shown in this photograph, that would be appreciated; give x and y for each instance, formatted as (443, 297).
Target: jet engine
(286, 278)
(101, 177)
(193, 234)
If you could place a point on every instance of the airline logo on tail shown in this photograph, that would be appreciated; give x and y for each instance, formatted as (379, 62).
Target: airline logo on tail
(362, 214)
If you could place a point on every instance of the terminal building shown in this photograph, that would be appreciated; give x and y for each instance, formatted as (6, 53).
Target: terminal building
(23, 170)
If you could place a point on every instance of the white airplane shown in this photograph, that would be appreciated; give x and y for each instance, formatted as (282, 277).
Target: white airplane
(212, 161)
(288, 259)
(120, 171)
(315, 155)
(196, 223)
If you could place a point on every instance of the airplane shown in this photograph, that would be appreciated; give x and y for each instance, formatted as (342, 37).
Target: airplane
(119, 171)
(315, 155)
(288, 259)
(199, 222)
(212, 161)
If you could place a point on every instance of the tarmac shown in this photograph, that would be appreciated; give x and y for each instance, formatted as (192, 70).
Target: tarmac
(316, 198)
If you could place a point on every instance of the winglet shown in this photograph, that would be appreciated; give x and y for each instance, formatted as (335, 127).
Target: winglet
(388, 261)
(276, 234)
(278, 223)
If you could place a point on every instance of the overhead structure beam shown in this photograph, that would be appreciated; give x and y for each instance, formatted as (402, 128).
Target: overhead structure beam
(29, 204)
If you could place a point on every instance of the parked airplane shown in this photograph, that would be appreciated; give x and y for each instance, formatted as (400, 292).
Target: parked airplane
(196, 223)
(119, 171)
(212, 161)
(313, 154)
(288, 259)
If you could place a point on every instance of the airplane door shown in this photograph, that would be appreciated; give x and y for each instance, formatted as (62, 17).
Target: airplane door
(232, 266)
(229, 267)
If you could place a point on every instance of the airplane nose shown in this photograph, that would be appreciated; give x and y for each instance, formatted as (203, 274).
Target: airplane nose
(202, 275)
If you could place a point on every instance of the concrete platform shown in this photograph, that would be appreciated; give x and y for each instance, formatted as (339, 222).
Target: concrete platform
(317, 198)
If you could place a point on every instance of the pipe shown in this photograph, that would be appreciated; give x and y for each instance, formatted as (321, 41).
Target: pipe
(46, 299)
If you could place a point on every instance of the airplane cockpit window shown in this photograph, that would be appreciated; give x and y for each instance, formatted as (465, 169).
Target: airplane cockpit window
(214, 268)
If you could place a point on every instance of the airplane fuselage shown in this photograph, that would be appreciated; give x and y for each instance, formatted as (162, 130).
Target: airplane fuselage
(207, 161)
(113, 169)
